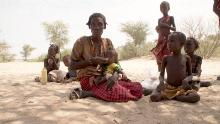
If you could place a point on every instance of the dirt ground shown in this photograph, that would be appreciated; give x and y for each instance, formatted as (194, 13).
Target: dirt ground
(23, 101)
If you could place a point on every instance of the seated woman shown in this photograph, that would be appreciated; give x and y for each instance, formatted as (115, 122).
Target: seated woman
(87, 53)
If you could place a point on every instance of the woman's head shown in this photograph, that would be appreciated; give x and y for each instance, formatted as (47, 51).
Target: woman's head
(97, 23)
(164, 7)
(191, 45)
(53, 50)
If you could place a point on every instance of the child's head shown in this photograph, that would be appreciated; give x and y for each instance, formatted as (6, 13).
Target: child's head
(66, 60)
(164, 7)
(191, 45)
(176, 40)
(53, 50)
(112, 56)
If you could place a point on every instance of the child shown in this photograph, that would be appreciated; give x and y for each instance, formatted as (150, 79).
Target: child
(165, 24)
(190, 47)
(110, 70)
(216, 9)
(71, 74)
(178, 68)
(51, 62)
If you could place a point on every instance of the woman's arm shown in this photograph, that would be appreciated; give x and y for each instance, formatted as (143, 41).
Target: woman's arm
(89, 62)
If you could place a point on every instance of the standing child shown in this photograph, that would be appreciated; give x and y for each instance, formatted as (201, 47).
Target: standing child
(165, 24)
(190, 47)
(177, 84)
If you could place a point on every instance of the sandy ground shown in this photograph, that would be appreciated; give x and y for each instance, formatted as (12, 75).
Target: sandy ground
(23, 101)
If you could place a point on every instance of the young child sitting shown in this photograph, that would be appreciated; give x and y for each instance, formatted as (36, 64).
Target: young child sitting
(190, 47)
(179, 74)
(51, 62)
(71, 74)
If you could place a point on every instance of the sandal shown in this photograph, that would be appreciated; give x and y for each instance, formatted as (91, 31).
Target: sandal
(75, 94)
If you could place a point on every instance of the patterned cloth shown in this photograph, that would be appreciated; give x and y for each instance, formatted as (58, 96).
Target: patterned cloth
(171, 92)
(161, 48)
(121, 92)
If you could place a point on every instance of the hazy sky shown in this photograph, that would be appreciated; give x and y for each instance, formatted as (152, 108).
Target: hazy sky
(21, 20)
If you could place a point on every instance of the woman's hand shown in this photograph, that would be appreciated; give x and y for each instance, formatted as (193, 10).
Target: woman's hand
(50, 61)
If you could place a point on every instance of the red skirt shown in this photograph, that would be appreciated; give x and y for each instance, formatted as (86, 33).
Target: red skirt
(161, 48)
(121, 92)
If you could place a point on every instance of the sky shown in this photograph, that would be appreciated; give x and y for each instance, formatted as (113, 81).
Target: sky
(21, 20)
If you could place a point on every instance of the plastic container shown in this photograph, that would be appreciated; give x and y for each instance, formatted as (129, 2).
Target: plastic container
(43, 78)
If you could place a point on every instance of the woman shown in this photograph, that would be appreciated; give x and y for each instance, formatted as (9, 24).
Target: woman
(88, 52)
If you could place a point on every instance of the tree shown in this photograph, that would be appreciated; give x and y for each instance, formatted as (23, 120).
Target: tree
(209, 38)
(57, 33)
(137, 31)
(26, 51)
(5, 56)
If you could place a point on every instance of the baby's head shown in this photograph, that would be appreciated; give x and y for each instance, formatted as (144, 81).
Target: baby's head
(67, 60)
(191, 45)
(112, 55)
(176, 40)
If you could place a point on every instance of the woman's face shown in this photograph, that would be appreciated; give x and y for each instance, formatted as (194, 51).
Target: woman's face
(97, 26)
